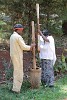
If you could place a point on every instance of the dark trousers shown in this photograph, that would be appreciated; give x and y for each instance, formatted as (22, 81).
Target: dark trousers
(47, 75)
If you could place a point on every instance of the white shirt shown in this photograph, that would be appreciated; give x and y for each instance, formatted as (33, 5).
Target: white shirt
(47, 49)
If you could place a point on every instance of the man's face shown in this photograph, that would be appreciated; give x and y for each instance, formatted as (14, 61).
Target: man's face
(20, 31)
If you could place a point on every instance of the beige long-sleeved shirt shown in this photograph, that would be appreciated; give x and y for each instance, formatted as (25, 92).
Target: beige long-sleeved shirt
(17, 45)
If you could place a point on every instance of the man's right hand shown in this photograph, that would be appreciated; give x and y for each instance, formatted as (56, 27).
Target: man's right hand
(32, 45)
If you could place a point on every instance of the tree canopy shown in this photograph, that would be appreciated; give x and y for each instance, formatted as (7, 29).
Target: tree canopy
(52, 13)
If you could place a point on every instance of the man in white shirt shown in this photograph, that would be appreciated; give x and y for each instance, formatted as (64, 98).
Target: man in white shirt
(47, 56)
(17, 46)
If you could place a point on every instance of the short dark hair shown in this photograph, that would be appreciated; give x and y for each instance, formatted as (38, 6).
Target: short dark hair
(45, 32)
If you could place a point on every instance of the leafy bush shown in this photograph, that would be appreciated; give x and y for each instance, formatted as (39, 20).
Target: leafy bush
(8, 70)
(61, 65)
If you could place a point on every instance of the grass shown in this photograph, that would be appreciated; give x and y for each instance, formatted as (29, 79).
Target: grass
(59, 92)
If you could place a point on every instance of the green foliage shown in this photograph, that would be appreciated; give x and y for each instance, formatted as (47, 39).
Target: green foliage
(5, 31)
(55, 25)
(8, 70)
(61, 65)
(24, 11)
(64, 66)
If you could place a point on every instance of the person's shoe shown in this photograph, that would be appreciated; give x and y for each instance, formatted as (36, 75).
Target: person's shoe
(51, 86)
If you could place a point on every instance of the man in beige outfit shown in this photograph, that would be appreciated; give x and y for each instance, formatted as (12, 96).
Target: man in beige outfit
(17, 45)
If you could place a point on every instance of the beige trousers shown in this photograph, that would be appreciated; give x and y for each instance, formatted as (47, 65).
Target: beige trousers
(17, 73)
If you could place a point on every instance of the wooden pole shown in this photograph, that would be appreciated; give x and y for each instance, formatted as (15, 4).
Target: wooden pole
(35, 72)
(38, 26)
(37, 10)
(33, 41)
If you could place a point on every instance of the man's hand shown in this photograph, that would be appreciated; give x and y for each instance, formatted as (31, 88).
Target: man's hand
(32, 45)
(39, 32)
